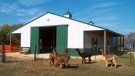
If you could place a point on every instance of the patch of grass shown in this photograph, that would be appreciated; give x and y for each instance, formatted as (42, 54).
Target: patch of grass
(43, 68)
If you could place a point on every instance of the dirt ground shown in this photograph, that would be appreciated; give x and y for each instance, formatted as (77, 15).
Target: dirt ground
(16, 56)
(23, 65)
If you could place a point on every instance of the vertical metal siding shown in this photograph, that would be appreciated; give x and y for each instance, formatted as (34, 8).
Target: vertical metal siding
(34, 39)
(61, 38)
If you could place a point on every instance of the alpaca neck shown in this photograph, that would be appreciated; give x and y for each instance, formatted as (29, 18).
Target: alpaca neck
(103, 53)
(64, 53)
(55, 54)
(79, 52)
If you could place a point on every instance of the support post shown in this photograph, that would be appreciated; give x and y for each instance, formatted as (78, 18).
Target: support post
(120, 43)
(3, 54)
(130, 57)
(116, 42)
(111, 43)
(104, 41)
(35, 53)
(10, 43)
(123, 43)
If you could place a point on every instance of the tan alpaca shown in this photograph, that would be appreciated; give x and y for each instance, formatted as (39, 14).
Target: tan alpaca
(61, 59)
(51, 57)
(112, 58)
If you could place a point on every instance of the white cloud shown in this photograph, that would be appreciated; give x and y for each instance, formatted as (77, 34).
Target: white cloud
(32, 2)
(101, 13)
(26, 12)
(15, 9)
(108, 25)
(107, 18)
(25, 20)
(8, 8)
(104, 5)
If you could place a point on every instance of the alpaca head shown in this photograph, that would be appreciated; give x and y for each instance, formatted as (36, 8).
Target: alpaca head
(65, 50)
(54, 50)
(77, 49)
(101, 50)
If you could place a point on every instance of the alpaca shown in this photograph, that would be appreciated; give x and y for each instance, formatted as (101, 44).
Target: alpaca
(84, 55)
(112, 58)
(51, 55)
(61, 59)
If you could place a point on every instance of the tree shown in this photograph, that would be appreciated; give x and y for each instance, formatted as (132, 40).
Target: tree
(16, 37)
(4, 37)
(16, 26)
(130, 37)
(4, 30)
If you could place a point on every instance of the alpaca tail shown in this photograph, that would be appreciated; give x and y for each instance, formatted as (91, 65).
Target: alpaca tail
(115, 56)
(115, 59)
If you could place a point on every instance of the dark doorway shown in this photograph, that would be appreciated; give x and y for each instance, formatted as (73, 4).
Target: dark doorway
(47, 39)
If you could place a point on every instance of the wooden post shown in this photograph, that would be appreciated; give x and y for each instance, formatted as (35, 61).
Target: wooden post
(130, 57)
(116, 42)
(105, 42)
(120, 43)
(123, 43)
(35, 52)
(112, 43)
(3, 54)
(10, 43)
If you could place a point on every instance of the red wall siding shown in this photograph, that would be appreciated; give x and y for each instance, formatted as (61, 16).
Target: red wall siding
(15, 48)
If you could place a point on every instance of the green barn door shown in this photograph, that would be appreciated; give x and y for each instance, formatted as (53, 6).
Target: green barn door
(61, 38)
(34, 39)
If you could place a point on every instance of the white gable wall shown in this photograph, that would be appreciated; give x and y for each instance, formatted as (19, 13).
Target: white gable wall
(75, 29)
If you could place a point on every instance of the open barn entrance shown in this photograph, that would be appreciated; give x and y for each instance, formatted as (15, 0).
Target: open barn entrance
(47, 39)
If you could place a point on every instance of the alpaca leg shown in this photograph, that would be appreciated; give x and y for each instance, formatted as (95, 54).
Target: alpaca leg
(50, 61)
(56, 63)
(61, 65)
(111, 63)
(66, 63)
(53, 61)
(82, 60)
(115, 63)
(106, 63)
(89, 59)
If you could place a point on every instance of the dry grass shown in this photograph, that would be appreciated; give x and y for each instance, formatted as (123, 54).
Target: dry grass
(43, 68)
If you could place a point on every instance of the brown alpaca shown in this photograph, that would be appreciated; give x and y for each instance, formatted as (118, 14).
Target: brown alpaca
(112, 58)
(61, 59)
(51, 57)
(84, 55)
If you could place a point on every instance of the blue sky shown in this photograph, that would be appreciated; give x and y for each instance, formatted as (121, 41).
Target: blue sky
(116, 15)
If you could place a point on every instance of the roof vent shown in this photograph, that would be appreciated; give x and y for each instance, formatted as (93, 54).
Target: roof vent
(68, 14)
(91, 23)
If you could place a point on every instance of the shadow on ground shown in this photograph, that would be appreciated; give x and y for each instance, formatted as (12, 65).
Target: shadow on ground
(13, 61)
(90, 62)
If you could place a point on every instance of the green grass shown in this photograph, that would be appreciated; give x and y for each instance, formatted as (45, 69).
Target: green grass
(42, 68)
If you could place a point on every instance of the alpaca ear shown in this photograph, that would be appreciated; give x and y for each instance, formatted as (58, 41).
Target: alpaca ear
(77, 49)
(65, 49)
(101, 50)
